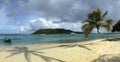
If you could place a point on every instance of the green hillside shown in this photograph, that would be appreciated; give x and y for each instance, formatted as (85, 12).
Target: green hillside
(54, 31)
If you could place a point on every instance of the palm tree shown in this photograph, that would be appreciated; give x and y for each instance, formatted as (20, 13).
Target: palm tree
(96, 20)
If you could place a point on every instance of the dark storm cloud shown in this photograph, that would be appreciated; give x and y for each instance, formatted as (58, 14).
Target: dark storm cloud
(71, 10)
(66, 10)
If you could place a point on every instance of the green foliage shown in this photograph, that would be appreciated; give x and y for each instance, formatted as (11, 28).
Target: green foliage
(96, 20)
(116, 27)
(107, 24)
(87, 28)
(105, 14)
(55, 31)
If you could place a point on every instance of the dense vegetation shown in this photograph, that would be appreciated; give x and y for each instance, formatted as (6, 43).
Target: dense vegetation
(116, 27)
(54, 31)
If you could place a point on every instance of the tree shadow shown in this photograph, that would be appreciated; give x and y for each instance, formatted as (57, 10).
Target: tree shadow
(27, 52)
(113, 39)
(108, 58)
(71, 46)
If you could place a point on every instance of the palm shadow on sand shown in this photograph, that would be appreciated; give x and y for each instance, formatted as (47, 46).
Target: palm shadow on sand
(71, 46)
(27, 52)
(108, 58)
(113, 39)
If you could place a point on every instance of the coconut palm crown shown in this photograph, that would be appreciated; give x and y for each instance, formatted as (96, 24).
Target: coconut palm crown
(96, 20)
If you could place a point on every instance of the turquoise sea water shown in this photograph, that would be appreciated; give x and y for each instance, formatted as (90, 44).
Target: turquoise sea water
(49, 38)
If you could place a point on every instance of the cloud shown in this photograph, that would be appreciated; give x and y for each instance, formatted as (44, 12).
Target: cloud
(14, 23)
(24, 28)
(66, 10)
(67, 14)
(3, 3)
(40, 14)
(12, 14)
(71, 10)
(41, 23)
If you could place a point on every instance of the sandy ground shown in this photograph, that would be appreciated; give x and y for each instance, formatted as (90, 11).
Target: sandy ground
(68, 52)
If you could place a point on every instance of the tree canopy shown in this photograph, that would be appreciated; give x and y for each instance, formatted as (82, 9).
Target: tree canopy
(95, 19)
(116, 27)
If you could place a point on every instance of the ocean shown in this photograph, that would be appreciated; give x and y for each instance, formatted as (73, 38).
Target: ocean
(27, 39)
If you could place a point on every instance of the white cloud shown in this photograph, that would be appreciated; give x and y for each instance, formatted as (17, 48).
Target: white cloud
(71, 26)
(41, 23)
(24, 29)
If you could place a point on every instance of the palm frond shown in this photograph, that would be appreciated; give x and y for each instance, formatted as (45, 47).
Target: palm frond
(110, 21)
(107, 25)
(87, 29)
(97, 15)
(106, 12)
(98, 12)
(88, 21)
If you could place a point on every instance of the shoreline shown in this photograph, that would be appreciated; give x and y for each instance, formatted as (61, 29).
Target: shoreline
(51, 44)
(87, 51)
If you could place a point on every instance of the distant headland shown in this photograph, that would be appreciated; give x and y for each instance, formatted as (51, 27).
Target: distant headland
(55, 31)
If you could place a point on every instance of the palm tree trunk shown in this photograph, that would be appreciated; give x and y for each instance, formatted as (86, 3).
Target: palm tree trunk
(102, 35)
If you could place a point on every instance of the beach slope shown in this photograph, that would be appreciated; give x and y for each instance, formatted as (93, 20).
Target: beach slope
(88, 51)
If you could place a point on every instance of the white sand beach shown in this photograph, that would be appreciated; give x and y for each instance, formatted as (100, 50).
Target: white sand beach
(69, 52)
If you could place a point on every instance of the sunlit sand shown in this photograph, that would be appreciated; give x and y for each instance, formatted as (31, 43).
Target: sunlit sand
(87, 51)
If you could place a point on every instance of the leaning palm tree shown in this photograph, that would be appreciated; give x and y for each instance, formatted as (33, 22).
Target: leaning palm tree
(96, 20)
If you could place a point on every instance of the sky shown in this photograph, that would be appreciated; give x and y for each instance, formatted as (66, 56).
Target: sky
(27, 16)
